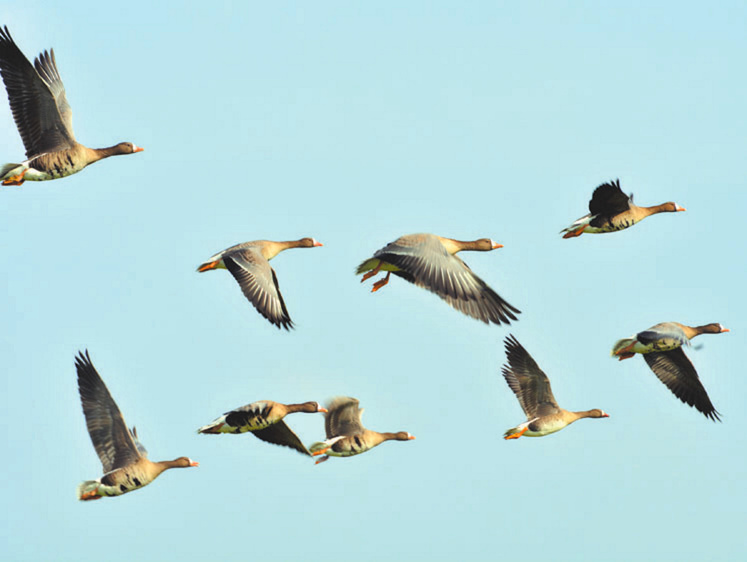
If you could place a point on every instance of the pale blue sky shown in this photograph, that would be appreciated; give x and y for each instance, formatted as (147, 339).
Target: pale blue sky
(357, 123)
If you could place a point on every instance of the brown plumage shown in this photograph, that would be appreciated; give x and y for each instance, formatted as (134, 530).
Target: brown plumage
(346, 435)
(429, 261)
(532, 388)
(611, 210)
(124, 459)
(264, 419)
(44, 119)
(661, 346)
(249, 265)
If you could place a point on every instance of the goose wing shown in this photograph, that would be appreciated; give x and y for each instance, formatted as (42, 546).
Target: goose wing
(109, 434)
(37, 99)
(259, 283)
(677, 372)
(528, 382)
(343, 417)
(609, 200)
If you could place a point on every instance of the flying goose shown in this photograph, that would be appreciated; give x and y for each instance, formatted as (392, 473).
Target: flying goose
(611, 210)
(661, 346)
(346, 435)
(429, 261)
(44, 119)
(264, 419)
(249, 264)
(532, 389)
(125, 460)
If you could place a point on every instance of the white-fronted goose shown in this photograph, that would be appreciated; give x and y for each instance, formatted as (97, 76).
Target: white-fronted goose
(346, 435)
(125, 460)
(429, 261)
(264, 420)
(532, 389)
(249, 264)
(44, 119)
(611, 210)
(661, 346)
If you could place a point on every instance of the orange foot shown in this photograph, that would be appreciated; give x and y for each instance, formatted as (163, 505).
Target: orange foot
(371, 273)
(625, 353)
(324, 458)
(574, 233)
(517, 434)
(380, 283)
(92, 495)
(16, 180)
(207, 266)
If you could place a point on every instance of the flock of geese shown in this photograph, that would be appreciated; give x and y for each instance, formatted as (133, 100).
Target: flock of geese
(44, 120)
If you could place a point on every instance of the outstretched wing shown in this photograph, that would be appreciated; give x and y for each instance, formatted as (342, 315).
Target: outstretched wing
(106, 426)
(528, 381)
(280, 434)
(37, 99)
(677, 372)
(259, 284)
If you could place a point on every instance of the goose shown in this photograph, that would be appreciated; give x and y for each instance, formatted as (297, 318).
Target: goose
(611, 210)
(264, 419)
(346, 435)
(249, 264)
(125, 460)
(532, 388)
(430, 262)
(44, 119)
(661, 346)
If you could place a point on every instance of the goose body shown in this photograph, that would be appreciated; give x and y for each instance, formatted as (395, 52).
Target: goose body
(249, 263)
(264, 419)
(532, 389)
(124, 459)
(661, 347)
(44, 119)
(346, 435)
(610, 210)
(429, 261)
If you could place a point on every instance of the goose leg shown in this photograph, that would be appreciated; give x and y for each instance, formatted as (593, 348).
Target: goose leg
(321, 460)
(381, 282)
(371, 273)
(574, 233)
(16, 180)
(517, 434)
(625, 352)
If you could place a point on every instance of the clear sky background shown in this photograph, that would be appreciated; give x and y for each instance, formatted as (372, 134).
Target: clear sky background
(357, 123)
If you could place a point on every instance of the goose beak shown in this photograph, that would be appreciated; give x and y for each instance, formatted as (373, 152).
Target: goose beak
(724, 330)
(194, 463)
(495, 245)
(322, 410)
(678, 208)
(605, 415)
(411, 437)
(137, 148)
(317, 243)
